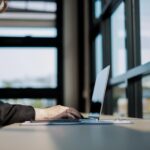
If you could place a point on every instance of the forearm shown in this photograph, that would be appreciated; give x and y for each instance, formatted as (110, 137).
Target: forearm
(15, 114)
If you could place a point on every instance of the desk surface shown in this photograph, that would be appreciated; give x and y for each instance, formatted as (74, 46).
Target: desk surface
(77, 137)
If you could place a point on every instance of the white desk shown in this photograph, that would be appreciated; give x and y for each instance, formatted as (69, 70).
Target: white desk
(77, 137)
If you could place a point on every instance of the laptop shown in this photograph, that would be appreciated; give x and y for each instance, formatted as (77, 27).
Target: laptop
(97, 96)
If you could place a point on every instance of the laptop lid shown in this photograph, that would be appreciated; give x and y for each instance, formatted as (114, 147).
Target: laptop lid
(100, 87)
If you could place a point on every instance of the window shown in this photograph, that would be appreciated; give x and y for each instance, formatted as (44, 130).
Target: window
(119, 24)
(119, 60)
(29, 52)
(29, 18)
(28, 67)
(145, 32)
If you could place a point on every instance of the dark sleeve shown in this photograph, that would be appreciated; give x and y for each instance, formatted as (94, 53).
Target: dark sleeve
(15, 114)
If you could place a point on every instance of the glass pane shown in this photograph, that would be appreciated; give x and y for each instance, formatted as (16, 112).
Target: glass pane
(28, 67)
(145, 32)
(98, 53)
(146, 97)
(28, 31)
(98, 8)
(37, 103)
(30, 5)
(119, 58)
(29, 18)
(120, 101)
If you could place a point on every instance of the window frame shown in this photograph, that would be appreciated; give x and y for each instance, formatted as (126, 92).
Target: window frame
(135, 71)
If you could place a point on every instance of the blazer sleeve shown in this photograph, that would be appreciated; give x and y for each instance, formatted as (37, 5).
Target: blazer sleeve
(15, 114)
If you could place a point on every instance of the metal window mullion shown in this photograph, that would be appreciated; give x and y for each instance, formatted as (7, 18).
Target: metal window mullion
(59, 25)
(81, 47)
(134, 90)
(106, 40)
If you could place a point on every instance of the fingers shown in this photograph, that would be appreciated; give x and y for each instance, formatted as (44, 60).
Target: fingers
(70, 116)
(74, 113)
(69, 111)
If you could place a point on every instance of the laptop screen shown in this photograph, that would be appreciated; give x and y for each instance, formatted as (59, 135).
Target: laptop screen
(100, 86)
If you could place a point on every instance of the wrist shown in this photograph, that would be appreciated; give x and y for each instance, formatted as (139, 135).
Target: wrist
(40, 114)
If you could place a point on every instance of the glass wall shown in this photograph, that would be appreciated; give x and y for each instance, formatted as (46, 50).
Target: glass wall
(119, 58)
(145, 30)
(120, 23)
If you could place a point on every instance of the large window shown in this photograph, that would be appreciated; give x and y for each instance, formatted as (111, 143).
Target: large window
(127, 50)
(31, 52)
(119, 60)
(145, 32)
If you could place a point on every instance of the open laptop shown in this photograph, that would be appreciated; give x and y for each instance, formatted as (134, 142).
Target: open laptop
(98, 96)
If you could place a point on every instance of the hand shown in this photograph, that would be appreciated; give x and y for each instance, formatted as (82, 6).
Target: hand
(56, 112)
